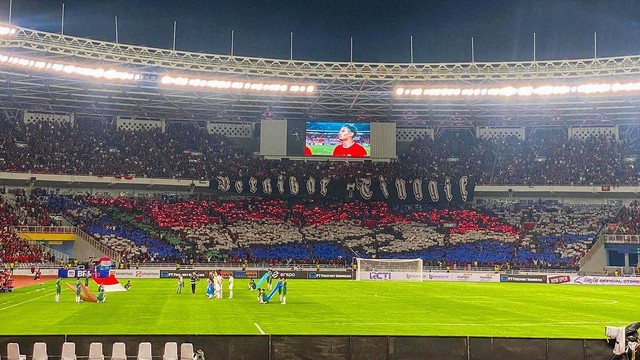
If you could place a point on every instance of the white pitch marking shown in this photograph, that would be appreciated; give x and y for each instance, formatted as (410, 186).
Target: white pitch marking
(259, 328)
(24, 302)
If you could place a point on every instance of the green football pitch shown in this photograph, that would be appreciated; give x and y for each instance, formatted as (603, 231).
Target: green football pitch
(327, 150)
(330, 307)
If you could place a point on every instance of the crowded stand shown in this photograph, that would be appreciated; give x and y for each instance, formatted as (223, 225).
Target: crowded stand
(306, 231)
(133, 245)
(189, 151)
(14, 250)
(184, 151)
(281, 231)
(627, 221)
(596, 160)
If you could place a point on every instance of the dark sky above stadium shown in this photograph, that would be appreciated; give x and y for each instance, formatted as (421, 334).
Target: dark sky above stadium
(442, 30)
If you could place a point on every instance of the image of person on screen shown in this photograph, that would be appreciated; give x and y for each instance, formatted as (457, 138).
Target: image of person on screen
(349, 146)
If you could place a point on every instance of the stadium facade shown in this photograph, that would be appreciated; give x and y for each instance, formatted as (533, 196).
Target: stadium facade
(45, 76)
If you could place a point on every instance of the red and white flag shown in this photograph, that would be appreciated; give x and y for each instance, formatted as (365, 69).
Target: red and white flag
(109, 283)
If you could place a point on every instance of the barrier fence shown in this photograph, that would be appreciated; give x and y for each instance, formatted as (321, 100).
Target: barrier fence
(622, 239)
(292, 347)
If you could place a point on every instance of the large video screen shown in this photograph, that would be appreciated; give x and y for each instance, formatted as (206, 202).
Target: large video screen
(339, 139)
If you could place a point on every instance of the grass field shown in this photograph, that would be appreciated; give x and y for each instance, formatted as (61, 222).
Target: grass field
(327, 150)
(331, 307)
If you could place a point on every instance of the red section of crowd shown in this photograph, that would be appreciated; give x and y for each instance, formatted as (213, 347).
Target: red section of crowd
(305, 213)
(463, 221)
(628, 220)
(12, 248)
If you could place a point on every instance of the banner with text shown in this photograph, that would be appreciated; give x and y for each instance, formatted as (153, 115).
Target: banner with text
(74, 273)
(471, 277)
(453, 190)
(330, 275)
(599, 280)
(524, 278)
(390, 275)
(137, 274)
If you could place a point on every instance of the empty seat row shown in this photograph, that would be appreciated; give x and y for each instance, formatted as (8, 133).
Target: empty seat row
(95, 351)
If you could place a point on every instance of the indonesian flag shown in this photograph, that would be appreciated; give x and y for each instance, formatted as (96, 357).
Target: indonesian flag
(109, 283)
(104, 261)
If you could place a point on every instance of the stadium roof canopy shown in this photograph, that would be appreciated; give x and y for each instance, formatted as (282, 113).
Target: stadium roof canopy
(341, 90)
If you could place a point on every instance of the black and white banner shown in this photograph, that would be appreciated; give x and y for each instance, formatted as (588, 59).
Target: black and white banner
(375, 189)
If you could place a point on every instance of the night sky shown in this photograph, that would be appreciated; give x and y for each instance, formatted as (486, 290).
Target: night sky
(442, 30)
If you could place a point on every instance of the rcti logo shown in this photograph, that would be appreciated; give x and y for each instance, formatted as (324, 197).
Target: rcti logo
(380, 275)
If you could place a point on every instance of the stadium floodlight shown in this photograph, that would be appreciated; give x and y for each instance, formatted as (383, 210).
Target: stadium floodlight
(237, 85)
(5, 30)
(517, 91)
(70, 69)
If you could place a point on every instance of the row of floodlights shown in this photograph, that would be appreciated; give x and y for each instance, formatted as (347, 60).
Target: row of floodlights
(5, 30)
(98, 73)
(400, 91)
(237, 85)
(507, 91)
(110, 74)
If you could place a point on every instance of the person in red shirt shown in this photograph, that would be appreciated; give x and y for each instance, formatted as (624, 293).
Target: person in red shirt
(349, 146)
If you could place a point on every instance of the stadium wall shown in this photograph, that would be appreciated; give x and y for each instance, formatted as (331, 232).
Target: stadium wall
(286, 347)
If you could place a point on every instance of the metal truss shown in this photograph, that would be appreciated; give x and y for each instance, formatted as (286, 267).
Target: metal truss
(349, 91)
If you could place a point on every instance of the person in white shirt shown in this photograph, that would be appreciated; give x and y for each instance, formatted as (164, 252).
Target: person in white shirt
(180, 284)
(231, 279)
(219, 279)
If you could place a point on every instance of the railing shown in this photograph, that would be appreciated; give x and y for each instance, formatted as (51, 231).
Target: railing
(69, 230)
(59, 255)
(594, 249)
(622, 239)
(8, 200)
(45, 229)
(331, 267)
(98, 245)
(306, 267)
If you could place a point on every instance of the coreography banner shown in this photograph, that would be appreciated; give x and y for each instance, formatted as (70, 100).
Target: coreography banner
(453, 190)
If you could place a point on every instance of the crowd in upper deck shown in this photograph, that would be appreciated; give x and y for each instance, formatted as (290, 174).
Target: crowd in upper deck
(188, 151)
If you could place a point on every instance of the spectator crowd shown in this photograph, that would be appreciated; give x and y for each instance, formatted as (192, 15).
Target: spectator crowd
(308, 231)
(189, 151)
(287, 231)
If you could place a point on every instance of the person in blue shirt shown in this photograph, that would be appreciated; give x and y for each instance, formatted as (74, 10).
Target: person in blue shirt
(209, 288)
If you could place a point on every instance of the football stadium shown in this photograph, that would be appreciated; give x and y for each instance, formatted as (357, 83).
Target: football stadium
(163, 203)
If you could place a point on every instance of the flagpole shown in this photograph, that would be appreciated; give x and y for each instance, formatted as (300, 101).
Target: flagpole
(473, 55)
(595, 45)
(351, 51)
(534, 47)
(117, 30)
(174, 35)
(291, 47)
(62, 29)
(10, 8)
(231, 42)
(411, 42)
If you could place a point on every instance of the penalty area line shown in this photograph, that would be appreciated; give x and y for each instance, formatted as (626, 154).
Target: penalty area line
(259, 328)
